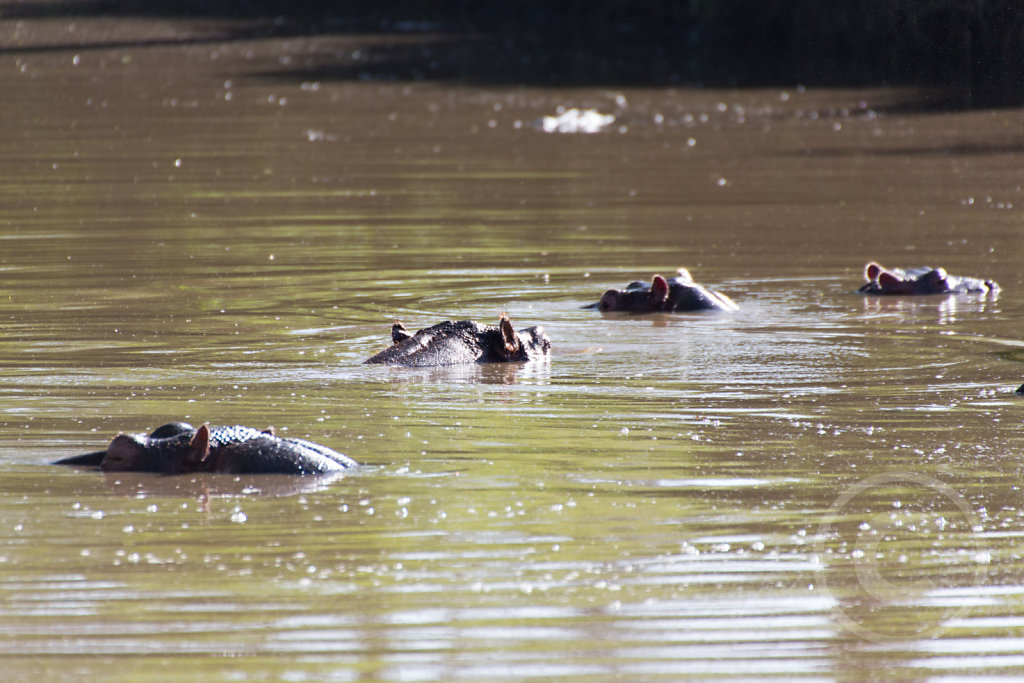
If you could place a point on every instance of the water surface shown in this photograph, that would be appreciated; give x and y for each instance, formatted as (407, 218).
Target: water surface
(818, 484)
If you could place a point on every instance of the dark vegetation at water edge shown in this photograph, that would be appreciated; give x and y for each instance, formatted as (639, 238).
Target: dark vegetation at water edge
(973, 49)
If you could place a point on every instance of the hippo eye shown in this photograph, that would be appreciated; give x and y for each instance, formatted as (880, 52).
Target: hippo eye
(936, 278)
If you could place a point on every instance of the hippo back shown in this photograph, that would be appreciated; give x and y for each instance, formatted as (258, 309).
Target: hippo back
(447, 343)
(686, 295)
(244, 450)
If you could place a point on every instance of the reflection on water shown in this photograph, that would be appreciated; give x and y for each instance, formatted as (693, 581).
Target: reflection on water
(779, 491)
(147, 486)
(947, 306)
(533, 372)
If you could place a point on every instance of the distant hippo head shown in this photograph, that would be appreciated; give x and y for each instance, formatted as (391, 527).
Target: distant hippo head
(673, 295)
(923, 280)
(931, 281)
(637, 297)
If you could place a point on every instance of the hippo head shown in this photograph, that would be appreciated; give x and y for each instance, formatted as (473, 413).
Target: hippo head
(637, 298)
(535, 343)
(177, 452)
(882, 281)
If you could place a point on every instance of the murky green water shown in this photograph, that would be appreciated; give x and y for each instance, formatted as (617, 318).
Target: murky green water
(819, 486)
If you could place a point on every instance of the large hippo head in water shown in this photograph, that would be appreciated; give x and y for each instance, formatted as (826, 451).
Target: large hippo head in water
(676, 294)
(923, 280)
(178, 447)
(465, 341)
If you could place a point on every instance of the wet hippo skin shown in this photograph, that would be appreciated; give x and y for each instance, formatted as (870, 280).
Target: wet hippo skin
(673, 295)
(178, 447)
(922, 280)
(465, 341)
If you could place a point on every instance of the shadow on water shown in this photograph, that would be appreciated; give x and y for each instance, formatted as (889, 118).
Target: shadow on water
(967, 52)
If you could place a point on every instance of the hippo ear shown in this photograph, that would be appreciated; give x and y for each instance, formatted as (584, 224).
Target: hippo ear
(872, 271)
(199, 446)
(398, 333)
(659, 290)
(512, 345)
(889, 282)
(270, 430)
(123, 454)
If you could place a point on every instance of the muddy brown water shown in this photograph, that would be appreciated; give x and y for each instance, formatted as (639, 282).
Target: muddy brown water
(818, 486)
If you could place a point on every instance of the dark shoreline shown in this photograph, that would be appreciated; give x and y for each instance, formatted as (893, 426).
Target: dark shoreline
(963, 52)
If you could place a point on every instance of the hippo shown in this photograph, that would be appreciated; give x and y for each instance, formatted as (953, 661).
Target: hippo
(924, 280)
(676, 294)
(178, 447)
(465, 341)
